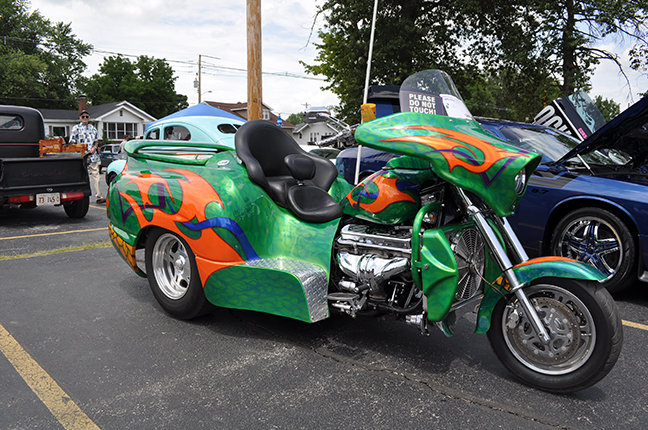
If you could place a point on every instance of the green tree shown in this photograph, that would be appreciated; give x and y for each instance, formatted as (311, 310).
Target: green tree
(40, 61)
(508, 58)
(555, 37)
(296, 118)
(148, 83)
(411, 35)
(609, 109)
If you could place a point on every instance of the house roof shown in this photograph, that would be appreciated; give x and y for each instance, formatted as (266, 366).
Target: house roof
(96, 112)
(304, 125)
(240, 109)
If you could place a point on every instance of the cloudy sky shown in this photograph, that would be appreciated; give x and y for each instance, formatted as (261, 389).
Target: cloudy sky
(181, 30)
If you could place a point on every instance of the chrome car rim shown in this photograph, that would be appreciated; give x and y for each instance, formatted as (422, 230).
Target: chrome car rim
(171, 266)
(569, 323)
(593, 241)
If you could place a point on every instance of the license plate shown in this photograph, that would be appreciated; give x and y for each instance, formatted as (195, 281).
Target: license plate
(48, 199)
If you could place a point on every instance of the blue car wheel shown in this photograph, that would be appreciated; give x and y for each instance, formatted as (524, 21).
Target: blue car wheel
(598, 237)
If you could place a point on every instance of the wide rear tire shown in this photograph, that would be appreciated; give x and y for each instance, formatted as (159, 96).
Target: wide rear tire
(173, 275)
(584, 327)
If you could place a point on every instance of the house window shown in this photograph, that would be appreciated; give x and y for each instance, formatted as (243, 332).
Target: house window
(58, 131)
(266, 114)
(117, 130)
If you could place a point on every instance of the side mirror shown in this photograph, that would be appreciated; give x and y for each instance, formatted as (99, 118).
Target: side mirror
(316, 114)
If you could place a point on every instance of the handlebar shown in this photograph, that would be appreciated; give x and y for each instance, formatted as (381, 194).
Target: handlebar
(343, 139)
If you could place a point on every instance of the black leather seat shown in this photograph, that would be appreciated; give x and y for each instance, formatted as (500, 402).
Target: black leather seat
(292, 177)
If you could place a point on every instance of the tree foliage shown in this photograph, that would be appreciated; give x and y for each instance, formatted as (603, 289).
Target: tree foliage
(608, 108)
(508, 58)
(412, 35)
(147, 83)
(296, 118)
(40, 61)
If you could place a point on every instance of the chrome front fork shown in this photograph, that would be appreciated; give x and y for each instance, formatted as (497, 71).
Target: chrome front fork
(504, 262)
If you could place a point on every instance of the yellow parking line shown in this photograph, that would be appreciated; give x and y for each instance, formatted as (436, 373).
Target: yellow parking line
(57, 401)
(51, 234)
(635, 325)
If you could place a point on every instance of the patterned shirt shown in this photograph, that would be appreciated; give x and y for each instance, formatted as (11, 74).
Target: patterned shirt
(85, 135)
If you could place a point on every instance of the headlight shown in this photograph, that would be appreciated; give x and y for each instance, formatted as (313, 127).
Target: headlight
(520, 181)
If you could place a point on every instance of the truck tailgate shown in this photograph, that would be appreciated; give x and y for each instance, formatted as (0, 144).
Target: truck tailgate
(16, 173)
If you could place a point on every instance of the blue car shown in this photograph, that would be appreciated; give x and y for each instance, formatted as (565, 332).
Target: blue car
(202, 128)
(587, 200)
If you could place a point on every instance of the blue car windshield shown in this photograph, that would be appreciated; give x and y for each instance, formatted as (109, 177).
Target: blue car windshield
(552, 144)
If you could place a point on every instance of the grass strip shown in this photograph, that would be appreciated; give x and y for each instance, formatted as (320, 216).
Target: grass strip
(92, 245)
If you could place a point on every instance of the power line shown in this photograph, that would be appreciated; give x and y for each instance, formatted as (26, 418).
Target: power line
(101, 52)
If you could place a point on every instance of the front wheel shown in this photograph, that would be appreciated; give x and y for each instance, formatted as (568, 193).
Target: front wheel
(110, 177)
(584, 328)
(173, 275)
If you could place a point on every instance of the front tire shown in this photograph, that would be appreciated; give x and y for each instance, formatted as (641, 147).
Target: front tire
(110, 177)
(173, 275)
(584, 327)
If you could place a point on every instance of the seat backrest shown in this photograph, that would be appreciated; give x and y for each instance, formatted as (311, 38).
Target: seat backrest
(262, 146)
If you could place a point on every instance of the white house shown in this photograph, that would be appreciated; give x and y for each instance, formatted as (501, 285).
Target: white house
(116, 119)
(305, 133)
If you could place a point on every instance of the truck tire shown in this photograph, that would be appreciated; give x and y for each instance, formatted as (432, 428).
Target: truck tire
(78, 208)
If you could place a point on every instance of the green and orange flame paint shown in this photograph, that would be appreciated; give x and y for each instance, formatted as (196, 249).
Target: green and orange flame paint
(459, 150)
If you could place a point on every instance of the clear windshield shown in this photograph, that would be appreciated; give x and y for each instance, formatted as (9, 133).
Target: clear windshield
(432, 92)
(553, 144)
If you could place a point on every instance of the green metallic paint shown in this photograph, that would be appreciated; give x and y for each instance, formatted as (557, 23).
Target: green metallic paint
(159, 191)
(439, 274)
(528, 272)
(460, 151)
(532, 270)
(258, 289)
(389, 196)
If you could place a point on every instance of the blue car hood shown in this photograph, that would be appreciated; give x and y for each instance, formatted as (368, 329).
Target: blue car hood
(610, 136)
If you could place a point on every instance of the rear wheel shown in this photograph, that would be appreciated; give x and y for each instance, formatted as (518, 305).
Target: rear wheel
(173, 275)
(78, 208)
(584, 329)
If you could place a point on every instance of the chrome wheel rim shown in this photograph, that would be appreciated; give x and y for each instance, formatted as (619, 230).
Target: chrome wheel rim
(592, 241)
(570, 326)
(171, 266)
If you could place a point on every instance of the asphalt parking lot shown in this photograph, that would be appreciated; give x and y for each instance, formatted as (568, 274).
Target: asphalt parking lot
(84, 345)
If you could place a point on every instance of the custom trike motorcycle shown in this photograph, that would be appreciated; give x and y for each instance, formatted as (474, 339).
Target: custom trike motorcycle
(271, 228)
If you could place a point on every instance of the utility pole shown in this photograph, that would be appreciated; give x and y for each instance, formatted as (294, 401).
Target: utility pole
(199, 77)
(254, 96)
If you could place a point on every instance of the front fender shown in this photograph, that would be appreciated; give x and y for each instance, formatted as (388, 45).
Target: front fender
(526, 273)
(115, 167)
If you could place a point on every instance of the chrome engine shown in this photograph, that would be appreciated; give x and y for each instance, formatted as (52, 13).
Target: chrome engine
(371, 258)
(375, 264)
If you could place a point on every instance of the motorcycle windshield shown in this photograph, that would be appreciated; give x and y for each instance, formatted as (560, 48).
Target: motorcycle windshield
(436, 126)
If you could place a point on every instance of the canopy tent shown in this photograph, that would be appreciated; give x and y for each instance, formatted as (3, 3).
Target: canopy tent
(201, 109)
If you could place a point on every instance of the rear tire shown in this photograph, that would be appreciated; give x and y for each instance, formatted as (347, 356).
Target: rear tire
(78, 208)
(173, 275)
(584, 327)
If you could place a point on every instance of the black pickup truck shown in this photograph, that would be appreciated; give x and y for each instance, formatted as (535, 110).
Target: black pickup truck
(38, 172)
